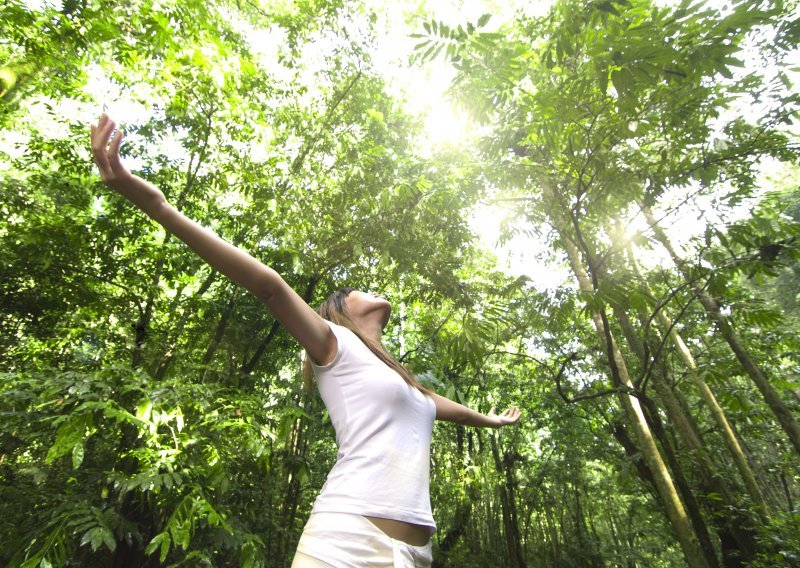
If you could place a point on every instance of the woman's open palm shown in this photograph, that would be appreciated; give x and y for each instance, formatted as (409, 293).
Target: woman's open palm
(106, 141)
(508, 416)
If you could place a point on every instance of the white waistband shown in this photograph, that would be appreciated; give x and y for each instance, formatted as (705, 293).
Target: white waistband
(346, 539)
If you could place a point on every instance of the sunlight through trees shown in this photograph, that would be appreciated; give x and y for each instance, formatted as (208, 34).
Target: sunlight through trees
(589, 210)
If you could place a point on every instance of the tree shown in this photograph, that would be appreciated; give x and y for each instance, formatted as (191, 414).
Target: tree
(600, 108)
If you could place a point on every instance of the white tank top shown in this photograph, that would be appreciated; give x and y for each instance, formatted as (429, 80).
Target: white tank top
(383, 430)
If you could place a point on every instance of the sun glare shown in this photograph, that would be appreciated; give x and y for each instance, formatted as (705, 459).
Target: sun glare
(445, 125)
(522, 254)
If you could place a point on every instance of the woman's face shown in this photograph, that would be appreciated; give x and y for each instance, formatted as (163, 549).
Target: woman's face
(369, 305)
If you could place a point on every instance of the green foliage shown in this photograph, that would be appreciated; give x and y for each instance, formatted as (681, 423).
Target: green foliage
(152, 413)
(596, 112)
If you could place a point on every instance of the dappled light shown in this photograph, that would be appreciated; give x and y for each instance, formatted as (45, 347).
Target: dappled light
(572, 234)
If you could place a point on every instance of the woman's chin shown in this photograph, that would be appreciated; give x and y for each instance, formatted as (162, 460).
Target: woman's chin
(387, 314)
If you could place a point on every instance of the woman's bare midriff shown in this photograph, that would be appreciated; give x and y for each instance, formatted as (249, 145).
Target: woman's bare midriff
(415, 535)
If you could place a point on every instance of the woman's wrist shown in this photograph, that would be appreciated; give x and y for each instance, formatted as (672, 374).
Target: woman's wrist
(141, 193)
(492, 421)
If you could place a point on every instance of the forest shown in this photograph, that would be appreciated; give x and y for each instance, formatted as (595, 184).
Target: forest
(638, 159)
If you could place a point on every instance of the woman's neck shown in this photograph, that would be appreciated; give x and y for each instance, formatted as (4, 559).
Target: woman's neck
(371, 329)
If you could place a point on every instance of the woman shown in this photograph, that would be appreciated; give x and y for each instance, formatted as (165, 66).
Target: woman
(374, 509)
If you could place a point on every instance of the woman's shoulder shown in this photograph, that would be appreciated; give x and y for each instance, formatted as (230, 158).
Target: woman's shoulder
(350, 344)
(341, 331)
(346, 341)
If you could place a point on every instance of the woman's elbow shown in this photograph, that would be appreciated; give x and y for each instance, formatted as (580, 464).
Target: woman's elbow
(266, 285)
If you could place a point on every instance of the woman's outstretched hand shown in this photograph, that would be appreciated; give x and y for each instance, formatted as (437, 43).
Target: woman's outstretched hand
(508, 416)
(106, 141)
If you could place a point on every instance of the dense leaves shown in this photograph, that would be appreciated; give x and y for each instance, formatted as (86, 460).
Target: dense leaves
(153, 414)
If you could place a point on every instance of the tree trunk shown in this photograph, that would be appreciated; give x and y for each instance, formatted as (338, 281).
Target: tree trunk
(589, 551)
(463, 511)
(692, 507)
(143, 323)
(248, 367)
(748, 363)
(508, 504)
(717, 413)
(737, 536)
(676, 513)
(169, 353)
(729, 517)
(219, 332)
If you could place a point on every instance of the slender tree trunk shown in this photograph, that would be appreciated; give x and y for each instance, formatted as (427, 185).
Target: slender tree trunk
(582, 548)
(552, 532)
(748, 363)
(620, 433)
(170, 352)
(463, 512)
(248, 367)
(143, 323)
(676, 513)
(621, 551)
(735, 530)
(730, 518)
(692, 506)
(509, 507)
(587, 542)
(219, 332)
(717, 413)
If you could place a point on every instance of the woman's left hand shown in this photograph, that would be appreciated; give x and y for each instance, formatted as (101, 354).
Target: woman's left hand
(508, 416)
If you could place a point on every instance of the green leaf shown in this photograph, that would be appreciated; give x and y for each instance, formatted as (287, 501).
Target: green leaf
(164, 548)
(155, 542)
(77, 455)
(109, 540)
(93, 538)
(69, 434)
(623, 81)
(603, 81)
(143, 410)
(179, 419)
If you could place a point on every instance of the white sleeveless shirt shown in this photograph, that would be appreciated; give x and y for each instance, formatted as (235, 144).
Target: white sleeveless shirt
(383, 430)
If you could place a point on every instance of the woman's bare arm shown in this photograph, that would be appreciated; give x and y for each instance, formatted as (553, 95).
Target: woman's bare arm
(451, 411)
(300, 320)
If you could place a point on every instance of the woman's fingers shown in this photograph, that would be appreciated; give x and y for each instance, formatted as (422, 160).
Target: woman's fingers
(105, 148)
(100, 136)
(113, 156)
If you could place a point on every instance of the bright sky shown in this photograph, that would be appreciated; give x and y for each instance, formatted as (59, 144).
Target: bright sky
(426, 88)
(425, 92)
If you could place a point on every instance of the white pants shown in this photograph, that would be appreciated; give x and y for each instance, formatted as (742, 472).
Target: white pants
(344, 540)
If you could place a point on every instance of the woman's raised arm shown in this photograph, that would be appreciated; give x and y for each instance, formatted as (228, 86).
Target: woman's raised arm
(300, 320)
(451, 411)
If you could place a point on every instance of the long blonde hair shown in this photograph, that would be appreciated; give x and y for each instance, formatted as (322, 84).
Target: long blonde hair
(334, 309)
